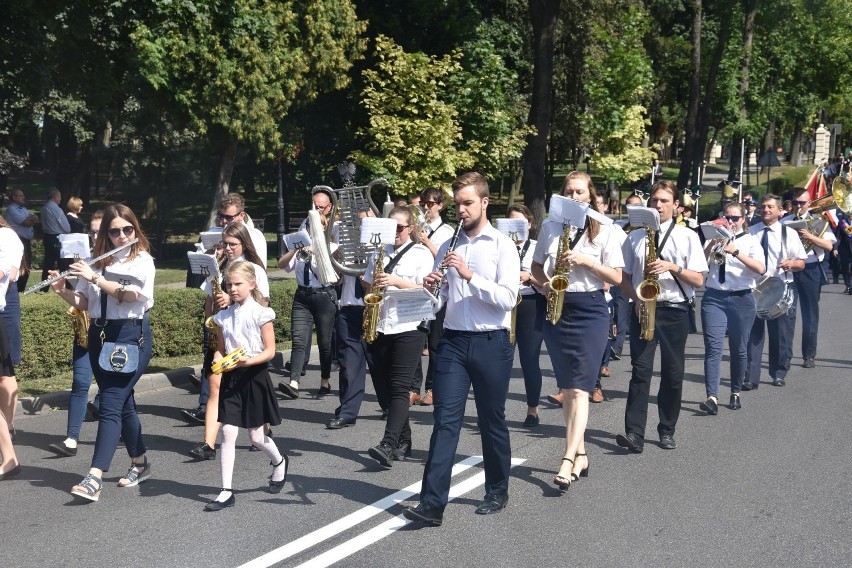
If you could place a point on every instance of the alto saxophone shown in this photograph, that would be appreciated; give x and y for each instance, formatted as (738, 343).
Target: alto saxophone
(559, 280)
(373, 300)
(80, 322)
(213, 337)
(648, 290)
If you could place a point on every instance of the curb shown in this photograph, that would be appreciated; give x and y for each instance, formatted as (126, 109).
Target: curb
(148, 382)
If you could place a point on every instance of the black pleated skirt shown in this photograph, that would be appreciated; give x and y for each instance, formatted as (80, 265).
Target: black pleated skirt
(247, 399)
(577, 342)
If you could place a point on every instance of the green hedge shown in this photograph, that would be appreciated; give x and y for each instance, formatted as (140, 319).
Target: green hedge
(175, 321)
(793, 178)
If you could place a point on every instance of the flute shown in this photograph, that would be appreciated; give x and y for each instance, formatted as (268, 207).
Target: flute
(64, 274)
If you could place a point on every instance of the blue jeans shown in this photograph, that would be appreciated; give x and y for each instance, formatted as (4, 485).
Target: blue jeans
(79, 391)
(484, 360)
(734, 312)
(118, 418)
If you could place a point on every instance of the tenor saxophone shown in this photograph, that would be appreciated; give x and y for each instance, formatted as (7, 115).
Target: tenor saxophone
(648, 290)
(373, 300)
(559, 280)
(80, 322)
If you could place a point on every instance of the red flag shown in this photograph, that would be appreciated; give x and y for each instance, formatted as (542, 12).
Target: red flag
(813, 183)
(823, 190)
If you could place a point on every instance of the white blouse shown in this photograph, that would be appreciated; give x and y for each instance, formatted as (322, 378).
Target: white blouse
(737, 276)
(605, 249)
(241, 326)
(138, 276)
(11, 253)
(414, 266)
(260, 277)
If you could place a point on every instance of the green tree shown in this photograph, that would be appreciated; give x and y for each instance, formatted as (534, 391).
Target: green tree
(236, 67)
(414, 138)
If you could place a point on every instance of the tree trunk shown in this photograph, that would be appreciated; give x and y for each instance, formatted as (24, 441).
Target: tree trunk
(691, 125)
(543, 15)
(223, 178)
(796, 144)
(66, 160)
(750, 8)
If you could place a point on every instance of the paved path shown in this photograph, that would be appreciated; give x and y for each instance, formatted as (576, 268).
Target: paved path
(765, 486)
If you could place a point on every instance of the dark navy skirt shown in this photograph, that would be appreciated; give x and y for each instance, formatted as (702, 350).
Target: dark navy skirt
(247, 399)
(577, 342)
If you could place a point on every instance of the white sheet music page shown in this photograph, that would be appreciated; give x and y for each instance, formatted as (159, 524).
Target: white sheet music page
(567, 211)
(643, 217)
(297, 240)
(515, 229)
(378, 230)
(413, 304)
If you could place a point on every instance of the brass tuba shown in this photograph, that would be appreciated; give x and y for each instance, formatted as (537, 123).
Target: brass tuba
(559, 280)
(373, 300)
(648, 290)
(817, 223)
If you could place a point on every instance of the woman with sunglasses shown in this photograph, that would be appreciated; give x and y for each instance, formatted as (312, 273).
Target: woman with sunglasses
(118, 292)
(728, 305)
(237, 245)
(12, 264)
(399, 346)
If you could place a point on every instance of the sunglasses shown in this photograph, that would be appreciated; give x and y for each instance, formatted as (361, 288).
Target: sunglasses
(115, 232)
(799, 203)
(430, 203)
(231, 245)
(228, 218)
(733, 218)
(401, 228)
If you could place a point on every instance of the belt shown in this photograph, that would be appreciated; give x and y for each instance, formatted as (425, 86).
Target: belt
(129, 321)
(673, 305)
(313, 290)
(466, 332)
(744, 292)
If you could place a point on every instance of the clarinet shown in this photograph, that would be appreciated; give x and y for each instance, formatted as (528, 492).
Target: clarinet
(424, 325)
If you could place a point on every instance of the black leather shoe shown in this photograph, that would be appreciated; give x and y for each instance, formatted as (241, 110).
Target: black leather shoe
(61, 449)
(219, 505)
(288, 390)
(17, 470)
(735, 403)
(531, 421)
(324, 390)
(709, 406)
(749, 387)
(384, 414)
(194, 415)
(401, 451)
(614, 355)
(667, 442)
(203, 452)
(195, 379)
(631, 441)
(809, 363)
(778, 383)
(492, 504)
(424, 514)
(276, 486)
(383, 453)
(92, 414)
(338, 423)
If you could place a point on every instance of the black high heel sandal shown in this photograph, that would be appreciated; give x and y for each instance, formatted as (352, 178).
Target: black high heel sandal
(277, 486)
(561, 482)
(583, 472)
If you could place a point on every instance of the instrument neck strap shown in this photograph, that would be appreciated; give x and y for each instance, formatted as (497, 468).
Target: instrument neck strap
(578, 236)
(395, 260)
(432, 231)
(522, 251)
(662, 243)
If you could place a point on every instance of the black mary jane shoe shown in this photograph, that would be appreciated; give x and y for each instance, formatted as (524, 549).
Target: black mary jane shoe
(277, 486)
(213, 506)
(62, 450)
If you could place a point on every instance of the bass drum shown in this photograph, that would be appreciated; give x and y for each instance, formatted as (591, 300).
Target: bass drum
(774, 298)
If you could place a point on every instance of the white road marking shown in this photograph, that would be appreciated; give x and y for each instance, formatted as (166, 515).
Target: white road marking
(349, 521)
(387, 528)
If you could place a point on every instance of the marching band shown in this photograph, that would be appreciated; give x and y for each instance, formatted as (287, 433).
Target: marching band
(485, 288)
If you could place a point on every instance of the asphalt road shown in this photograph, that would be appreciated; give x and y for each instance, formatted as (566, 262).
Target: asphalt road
(764, 486)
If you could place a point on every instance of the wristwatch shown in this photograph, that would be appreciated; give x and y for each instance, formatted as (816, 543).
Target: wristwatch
(736, 253)
(679, 270)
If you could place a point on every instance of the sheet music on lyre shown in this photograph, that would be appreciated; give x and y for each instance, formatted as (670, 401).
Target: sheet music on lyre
(643, 217)
(711, 231)
(202, 263)
(515, 229)
(794, 223)
(413, 304)
(75, 245)
(378, 230)
(567, 211)
(211, 239)
(299, 239)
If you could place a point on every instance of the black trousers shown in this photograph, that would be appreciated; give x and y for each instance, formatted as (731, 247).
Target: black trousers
(435, 334)
(51, 254)
(671, 329)
(312, 306)
(809, 285)
(352, 355)
(28, 256)
(394, 359)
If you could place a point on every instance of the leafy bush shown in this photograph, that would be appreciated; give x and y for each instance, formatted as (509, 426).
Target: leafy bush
(176, 320)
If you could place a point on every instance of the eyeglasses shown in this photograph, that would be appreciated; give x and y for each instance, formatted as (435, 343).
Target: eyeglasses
(799, 203)
(401, 228)
(733, 218)
(231, 245)
(228, 218)
(430, 203)
(116, 231)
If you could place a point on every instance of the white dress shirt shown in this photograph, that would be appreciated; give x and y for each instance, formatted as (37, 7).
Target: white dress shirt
(605, 249)
(348, 296)
(241, 326)
(682, 248)
(792, 249)
(413, 267)
(11, 253)
(737, 275)
(441, 232)
(137, 273)
(485, 303)
(260, 276)
(298, 266)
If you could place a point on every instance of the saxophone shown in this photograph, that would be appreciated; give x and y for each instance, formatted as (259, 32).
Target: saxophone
(213, 341)
(559, 280)
(373, 300)
(80, 322)
(648, 290)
